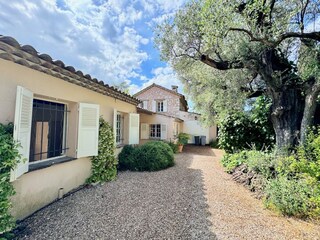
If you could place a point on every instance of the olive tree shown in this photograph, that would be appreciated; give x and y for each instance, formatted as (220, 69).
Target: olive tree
(226, 50)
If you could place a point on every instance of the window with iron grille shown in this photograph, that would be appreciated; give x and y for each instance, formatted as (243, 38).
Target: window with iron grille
(119, 130)
(48, 130)
(155, 130)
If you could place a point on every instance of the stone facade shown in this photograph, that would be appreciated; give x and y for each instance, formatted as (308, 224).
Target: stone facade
(155, 93)
(176, 117)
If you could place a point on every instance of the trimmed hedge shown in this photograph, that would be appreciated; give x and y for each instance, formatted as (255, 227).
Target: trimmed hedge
(151, 156)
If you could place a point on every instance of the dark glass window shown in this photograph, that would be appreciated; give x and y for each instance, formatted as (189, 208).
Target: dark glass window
(160, 106)
(119, 130)
(155, 130)
(47, 130)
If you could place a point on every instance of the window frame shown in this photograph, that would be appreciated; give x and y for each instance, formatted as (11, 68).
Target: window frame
(155, 132)
(64, 137)
(160, 105)
(120, 129)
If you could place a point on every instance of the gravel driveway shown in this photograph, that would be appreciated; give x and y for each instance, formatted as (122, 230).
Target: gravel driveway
(194, 199)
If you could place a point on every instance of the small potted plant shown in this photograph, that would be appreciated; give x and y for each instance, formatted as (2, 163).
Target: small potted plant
(182, 140)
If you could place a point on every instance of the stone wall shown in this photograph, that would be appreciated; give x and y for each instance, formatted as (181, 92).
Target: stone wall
(155, 93)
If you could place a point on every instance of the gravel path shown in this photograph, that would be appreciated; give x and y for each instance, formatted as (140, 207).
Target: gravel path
(194, 199)
(235, 214)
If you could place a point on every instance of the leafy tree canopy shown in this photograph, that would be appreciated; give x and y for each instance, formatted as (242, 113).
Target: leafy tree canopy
(226, 51)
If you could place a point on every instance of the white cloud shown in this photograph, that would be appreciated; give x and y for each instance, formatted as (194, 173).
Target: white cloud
(163, 76)
(102, 38)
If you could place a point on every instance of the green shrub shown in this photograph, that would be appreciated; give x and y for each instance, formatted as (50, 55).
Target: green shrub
(183, 138)
(231, 161)
(240, 131)
(126, 158)
(261, 162)
(214, 143)
(9, 157)
(104, 166)
(289, 196)
(173, 146)
(152, 156)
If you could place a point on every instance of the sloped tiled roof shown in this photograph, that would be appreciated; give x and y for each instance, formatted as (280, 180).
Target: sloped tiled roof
(163, 88)
(145, 111)
(27, 56)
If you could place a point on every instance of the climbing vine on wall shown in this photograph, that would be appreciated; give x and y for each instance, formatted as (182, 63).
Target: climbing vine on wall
(104, 166)
(9, 157)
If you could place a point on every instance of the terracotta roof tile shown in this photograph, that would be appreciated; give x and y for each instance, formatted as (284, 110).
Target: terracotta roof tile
(28, 56)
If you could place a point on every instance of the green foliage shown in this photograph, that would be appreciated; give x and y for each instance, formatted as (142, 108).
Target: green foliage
(231, 161)
(104, 166)
(261, 162)
(239, 131)
(225, 50)
(183, 138)
(214, 143)
(234, 131)
(292, 182)
(151, 156)
(173, 146)
(9, 157)
(257, 161)
(126, 157)
(289, 196)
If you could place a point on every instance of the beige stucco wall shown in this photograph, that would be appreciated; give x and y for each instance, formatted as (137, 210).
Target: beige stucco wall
(38, 188)
(193, 126)
(155, 93)
(158, 119)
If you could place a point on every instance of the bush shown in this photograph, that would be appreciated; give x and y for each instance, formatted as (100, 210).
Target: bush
(104, 166)
(240, 131)
(183, 138)
(261, 162)
(231, 161)
(214, 143)
(9, 157)
(152, 156)
(289, 196)
(291, 184)
(125, 157)
(173, 146)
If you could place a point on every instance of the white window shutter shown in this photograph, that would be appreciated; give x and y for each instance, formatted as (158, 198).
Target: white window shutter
(134, 128)
(145, 131)
(22, 129)
(145, 104)
(115, 124)
(88, 130)
(154, 106)
(165, 105)
(163, 132)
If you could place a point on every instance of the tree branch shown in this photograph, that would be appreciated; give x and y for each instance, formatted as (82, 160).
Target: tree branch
(221, 65)
(311, 35)
(252, 37)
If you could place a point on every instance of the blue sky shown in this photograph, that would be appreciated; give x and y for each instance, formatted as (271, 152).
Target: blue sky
(111, 40)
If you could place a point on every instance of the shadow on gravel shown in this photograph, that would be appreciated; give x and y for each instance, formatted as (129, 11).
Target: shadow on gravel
(168, 204)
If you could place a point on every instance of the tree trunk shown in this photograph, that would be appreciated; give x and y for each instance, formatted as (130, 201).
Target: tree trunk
(309, 110)
(286, 116)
